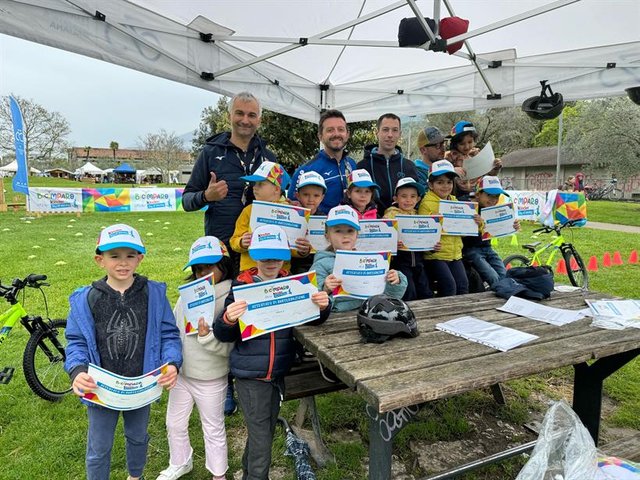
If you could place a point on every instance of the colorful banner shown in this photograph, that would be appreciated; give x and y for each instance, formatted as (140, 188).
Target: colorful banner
(315, 233)
(418, 233)
(293, 220)
(277, 304)
(378, 236)
(59, 200)
(153, 200)
(21, 178)
(498, 221)
(527, 204)
(363, 274)
(458, 218)
(198, 300)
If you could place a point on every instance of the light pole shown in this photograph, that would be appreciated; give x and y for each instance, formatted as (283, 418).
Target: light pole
(410, 122)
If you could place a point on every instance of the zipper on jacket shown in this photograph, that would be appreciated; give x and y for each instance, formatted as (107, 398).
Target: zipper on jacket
(391, 186)
(272, 354)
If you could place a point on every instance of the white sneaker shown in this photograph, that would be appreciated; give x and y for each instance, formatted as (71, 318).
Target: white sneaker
(174, 472)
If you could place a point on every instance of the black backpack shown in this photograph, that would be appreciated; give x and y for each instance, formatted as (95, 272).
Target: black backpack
(535, 283)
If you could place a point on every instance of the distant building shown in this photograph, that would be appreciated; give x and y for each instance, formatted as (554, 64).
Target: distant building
(104, 157)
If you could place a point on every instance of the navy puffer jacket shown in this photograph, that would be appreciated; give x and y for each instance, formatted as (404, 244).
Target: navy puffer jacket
(223, 158)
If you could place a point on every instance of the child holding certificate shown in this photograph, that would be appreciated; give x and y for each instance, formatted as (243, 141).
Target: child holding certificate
(405, 199)
(203, 377)
(478, 251)
(342, 233)
(444, 266)
(122, 323)
(360, 194)
(463, 146)
(259, 364)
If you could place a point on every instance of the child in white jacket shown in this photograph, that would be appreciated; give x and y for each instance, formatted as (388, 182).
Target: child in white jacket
(203, 376)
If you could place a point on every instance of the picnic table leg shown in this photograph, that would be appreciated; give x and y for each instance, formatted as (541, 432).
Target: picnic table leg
(383, 427)
(587, 388)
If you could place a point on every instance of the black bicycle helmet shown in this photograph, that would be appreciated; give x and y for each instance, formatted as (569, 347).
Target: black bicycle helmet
(381, 317)
(634, 94)
(545, 106)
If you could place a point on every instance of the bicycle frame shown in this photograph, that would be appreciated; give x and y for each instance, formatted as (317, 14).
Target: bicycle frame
(9, 319)
(554, 245)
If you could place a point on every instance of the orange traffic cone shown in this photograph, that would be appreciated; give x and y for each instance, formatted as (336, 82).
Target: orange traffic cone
(633, 258)
(561, 268)
(606, 259)
(535, 263)
(617, 259)
(574, 265)
(593, 264)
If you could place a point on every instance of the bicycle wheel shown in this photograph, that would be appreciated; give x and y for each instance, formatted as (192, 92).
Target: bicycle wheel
(516, 261)
(576, 271)
(43, 362)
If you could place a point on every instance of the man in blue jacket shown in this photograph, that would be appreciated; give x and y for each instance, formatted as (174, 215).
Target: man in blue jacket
(215, 179)
(332, 162)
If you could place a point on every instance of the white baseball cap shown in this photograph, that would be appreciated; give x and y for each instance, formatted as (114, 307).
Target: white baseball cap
(310, 178)
(491, 185)
(269, 242)
(120, 236)
(409, 182)
(206, 250)
(442, 167)
(343, 215)
(361, 178)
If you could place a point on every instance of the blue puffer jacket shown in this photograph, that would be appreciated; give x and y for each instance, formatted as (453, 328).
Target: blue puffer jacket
(323, 265)
(223, 158)
(266, 357)
(162, 342)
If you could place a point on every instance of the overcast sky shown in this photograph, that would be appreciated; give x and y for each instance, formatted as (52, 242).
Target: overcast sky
(101, 101)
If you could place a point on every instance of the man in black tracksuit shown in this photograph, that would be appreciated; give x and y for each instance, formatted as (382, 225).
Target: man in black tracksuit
(385, 161)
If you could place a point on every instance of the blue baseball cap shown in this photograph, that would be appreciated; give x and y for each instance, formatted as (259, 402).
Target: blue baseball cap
(361, 178)
(269, 242)
(120, 236)
(491, 185)
(206, 250)
(442, 167)
(409, 182)
(343, 215)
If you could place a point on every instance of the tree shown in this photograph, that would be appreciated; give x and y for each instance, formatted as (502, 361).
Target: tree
(45, 132)
(164, 151)
(114, 146)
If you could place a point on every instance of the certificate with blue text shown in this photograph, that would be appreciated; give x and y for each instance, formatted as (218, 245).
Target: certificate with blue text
(498, 221)
(277, 304)
(124, 393)
(198, 300)
(418, 233)
(458, 218)
(378, 235)
(293, 220)
(363, 274)
(315, 233)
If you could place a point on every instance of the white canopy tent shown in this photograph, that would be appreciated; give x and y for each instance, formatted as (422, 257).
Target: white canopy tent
(302, 56)
(13, 168)
(89, 169)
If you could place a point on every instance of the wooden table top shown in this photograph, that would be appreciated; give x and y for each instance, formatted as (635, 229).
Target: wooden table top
(408, 371)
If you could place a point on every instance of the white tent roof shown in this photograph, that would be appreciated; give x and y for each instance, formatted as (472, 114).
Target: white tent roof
(13, 167)
(89, 169)
(302, 56)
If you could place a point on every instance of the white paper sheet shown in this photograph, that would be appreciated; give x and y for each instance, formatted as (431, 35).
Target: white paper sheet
(458, 218)
(498, 221)
(486, 333)
(543, 313)
(615, 314)
(481, 164)
(378, 236)
(315, 233)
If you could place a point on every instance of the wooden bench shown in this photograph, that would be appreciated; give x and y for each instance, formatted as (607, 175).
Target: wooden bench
(16, 206)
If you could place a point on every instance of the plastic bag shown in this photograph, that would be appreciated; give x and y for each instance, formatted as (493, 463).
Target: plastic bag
(564, 450)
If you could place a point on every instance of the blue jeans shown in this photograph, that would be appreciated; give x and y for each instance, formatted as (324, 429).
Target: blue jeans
(450, 275)
(486, 262)
(102, 429)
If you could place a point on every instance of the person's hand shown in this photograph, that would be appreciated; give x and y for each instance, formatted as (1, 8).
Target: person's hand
(169, 378)
(216, 191)
(245, 241)
(437, 247)
(203, 328)
(331, 283)
(478, 219)
(497, 163)
(83, 383)
(516, 225)
(303, 246)
(461, 171)
(236, 310)
(392, 277)
(321, 299)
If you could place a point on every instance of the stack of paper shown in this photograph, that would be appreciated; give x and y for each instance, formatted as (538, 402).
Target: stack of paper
(486, 333)
(535, 311)
(615, 314)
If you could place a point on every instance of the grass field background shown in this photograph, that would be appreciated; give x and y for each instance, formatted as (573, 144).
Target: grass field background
(44, 440)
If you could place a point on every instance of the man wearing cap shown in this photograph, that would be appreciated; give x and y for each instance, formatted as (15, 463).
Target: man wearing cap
(332, 162)
(215, 180)
(385, 161)
(431, 143)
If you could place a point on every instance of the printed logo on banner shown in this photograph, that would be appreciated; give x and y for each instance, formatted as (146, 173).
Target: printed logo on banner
(55, 200)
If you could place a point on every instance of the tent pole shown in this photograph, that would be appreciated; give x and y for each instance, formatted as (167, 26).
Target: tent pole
(559, 149)
(436, 15)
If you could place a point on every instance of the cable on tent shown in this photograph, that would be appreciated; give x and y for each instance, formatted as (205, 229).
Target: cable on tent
(100, 16)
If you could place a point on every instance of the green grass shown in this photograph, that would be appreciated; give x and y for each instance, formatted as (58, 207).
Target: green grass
(622, 213)
(40, 440)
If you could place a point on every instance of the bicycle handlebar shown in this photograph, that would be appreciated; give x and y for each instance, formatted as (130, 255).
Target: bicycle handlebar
(33, 281)
(555, 228)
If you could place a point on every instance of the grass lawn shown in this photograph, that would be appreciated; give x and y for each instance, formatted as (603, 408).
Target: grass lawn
(622, 213)
(41, 440)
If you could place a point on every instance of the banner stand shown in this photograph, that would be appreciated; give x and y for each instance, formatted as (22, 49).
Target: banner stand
(3, 203)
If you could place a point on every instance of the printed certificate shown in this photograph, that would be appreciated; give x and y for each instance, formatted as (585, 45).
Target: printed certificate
(418, 233)
(293, 220)
(378, 236)
(277, 304)
(481, 164)
(198, 300)
(458, 218)
(498, 221)
(363, 274)
(315, 233)
(124, 393)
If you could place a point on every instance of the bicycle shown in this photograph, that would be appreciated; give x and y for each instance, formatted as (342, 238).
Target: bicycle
(545, 255)
(607, 192)
(44, 354)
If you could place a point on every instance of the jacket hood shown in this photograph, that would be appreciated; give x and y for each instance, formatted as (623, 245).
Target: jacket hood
(223, 139)
(324, 254)
(138, 284)
(369, 149)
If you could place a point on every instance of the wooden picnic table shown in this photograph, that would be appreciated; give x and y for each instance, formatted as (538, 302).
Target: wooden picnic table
(397, 377)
